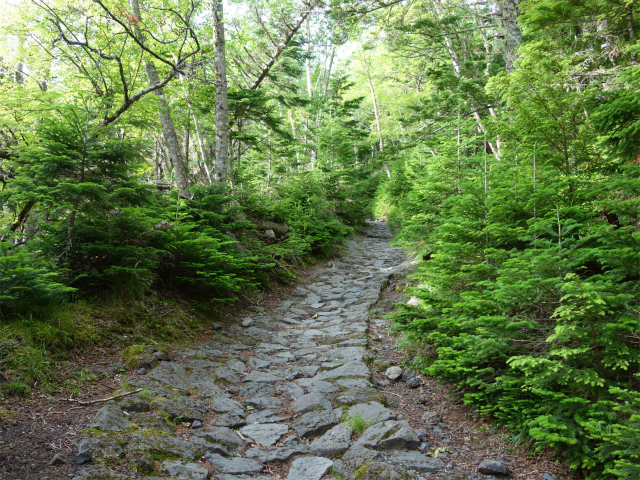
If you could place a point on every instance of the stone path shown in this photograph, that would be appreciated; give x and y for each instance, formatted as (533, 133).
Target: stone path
(286, 393)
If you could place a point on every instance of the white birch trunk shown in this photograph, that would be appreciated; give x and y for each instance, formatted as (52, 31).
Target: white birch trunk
(164, 113)
(222, 99)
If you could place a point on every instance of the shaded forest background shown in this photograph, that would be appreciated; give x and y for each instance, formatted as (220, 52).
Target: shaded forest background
(159, 159)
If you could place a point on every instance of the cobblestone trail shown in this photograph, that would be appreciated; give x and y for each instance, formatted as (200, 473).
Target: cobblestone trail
(286, 393)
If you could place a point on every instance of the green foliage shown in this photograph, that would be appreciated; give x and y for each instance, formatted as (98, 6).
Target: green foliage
(529, 281)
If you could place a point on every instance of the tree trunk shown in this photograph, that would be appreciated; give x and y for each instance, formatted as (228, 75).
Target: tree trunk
(307, 62)
(164, 112)
(375, 102)
(511, 31)
(222, 99)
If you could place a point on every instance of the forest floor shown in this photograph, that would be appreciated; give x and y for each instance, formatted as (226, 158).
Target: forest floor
(274, 373)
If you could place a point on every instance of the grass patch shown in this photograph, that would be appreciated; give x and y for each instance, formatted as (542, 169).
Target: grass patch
(358, 424)
(34, 347)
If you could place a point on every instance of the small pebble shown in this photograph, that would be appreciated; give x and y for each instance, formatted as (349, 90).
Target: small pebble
(196, 424)
(216, 326)
(141, 371)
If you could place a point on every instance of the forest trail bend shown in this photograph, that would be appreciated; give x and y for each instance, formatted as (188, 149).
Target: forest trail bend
(288, 393)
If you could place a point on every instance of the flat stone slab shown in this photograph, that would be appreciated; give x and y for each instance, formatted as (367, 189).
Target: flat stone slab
(390, 435)
(162, 445)
(317, 422)
(220, 440)
(234, 465)
(386, 471)
(415, 460)
(333, 443)
(348, 370)
(110, 418)
(266, 434)
(264, 403)
(371, 412)
(290, 390)
(354, 458)
(310, 402)
(278, 454)
(314, 385)
(186, 471)
(309, 468)
(178, 410)
(261, 377)
(226, 405)
(168, 378)
(360, 395)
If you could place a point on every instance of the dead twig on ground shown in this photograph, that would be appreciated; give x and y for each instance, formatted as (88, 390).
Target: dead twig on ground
(91, 402)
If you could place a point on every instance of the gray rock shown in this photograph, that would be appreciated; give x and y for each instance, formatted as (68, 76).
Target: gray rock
(141, 371)
(351, 383)
(252, 389)
(256, 363)
(99, 472)
(247, 322)
(237, 366)
(196, 424)
(278, 454)
(266, 416)
(310, 402)
(83, 457)
(174, 367)
(186, 471)
(168, 378)
(431, 417)
(178, 409)
(290, 390)
(162, 356)
(235, 465)
(408, 375)
(202, 381)
(117, 368)
(317, 422)
(103, 448)
(266, 434)
(154, 422)
(390, 435)
(216, 326)
(415, 460)
(309, 468)
(220, 440)
(144, 463)
(229, 420)
(110, 418)
(360, 395)
(393, 373)
(371, 412)
(384, 471)
(261, 377)
(314, 385)
(226, 405)
(348, 370)
(414, 382)
(59, 459)
(226, 374)
(354, 458)
(134, 403)
(264, 403)
(346, 354)
(548, 476)
(157, 444)
(493, 467)
(333, 443)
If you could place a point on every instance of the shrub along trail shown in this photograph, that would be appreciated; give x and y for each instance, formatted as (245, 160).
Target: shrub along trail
(293, 392)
